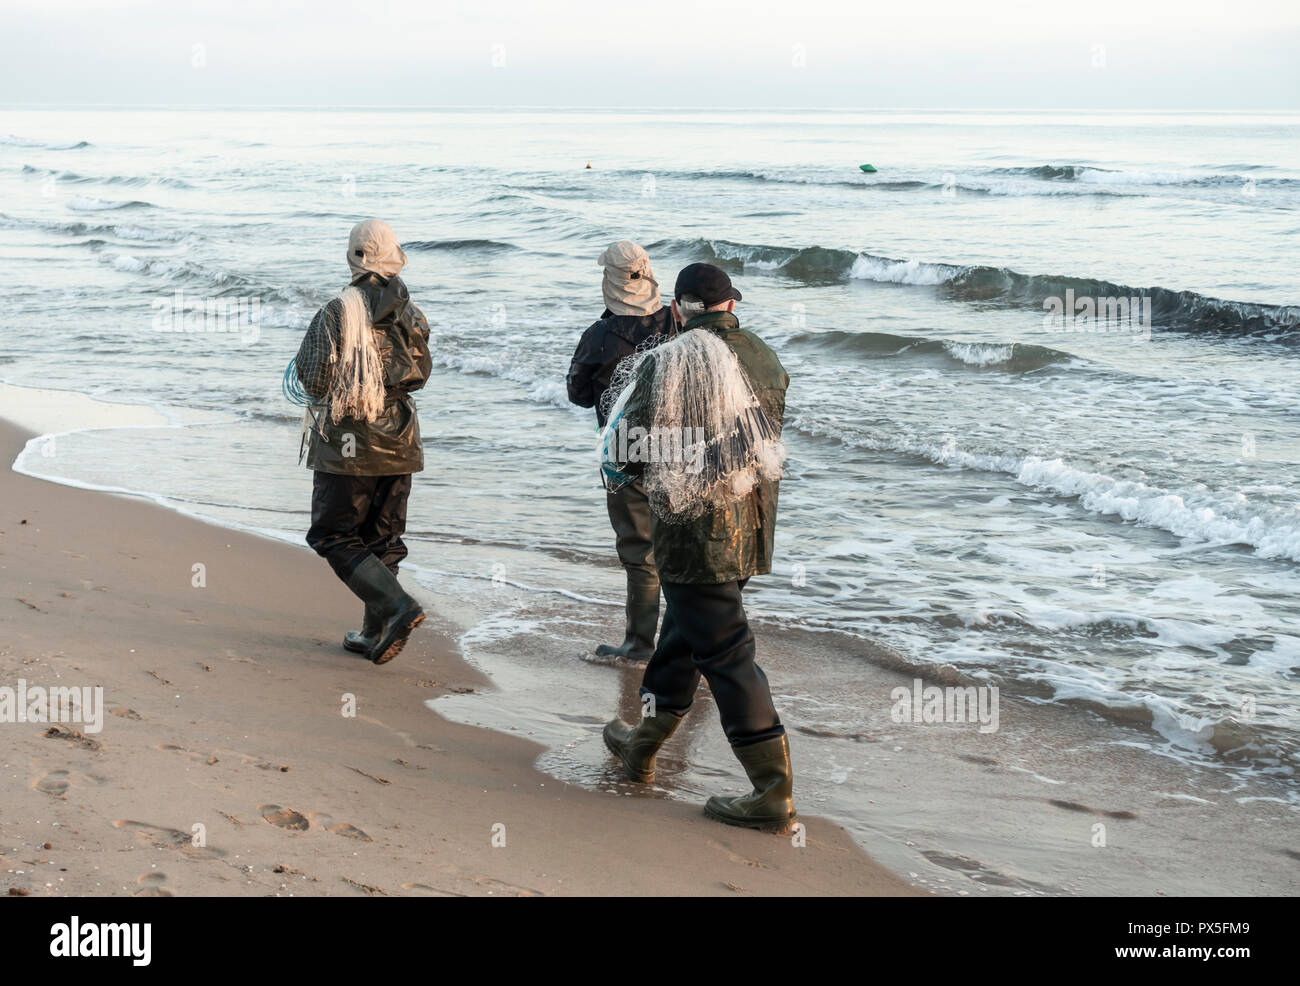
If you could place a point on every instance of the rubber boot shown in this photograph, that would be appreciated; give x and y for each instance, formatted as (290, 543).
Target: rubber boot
(637, 745)
(642, 620)
(770, 806)
(396, 612)
(360, 641)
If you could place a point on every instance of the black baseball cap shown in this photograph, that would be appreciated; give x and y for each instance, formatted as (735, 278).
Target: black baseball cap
(704, 281)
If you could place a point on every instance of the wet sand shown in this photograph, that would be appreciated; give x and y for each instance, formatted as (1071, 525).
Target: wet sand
(1056, 801)
(226, 764)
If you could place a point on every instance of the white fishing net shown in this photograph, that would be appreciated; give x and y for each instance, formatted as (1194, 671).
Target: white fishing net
(703, 436)
(357, 385)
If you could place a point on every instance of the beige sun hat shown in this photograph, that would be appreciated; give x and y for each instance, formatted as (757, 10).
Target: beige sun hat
(373, 247)
(629, 286)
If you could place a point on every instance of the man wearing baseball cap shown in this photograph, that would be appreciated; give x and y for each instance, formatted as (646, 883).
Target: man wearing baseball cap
(706, 559)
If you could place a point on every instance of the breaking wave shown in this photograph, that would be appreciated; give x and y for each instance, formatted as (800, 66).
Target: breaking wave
(89, 203)
(16, 141)
(1202, 515)
(1174, 310)
(477, 246)
(1013, 357)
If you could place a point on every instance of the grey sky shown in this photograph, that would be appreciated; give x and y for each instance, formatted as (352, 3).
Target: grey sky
(1136, 54)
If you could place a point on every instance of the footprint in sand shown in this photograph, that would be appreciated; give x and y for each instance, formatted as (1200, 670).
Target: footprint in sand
(151, 885)
(350, 832)
(162, 837)
(126, 713)
(57, 783)
(72, 736)
(323, 821)
(284, 818)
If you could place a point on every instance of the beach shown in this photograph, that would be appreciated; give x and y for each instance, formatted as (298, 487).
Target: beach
(225, 708)
(224, 711)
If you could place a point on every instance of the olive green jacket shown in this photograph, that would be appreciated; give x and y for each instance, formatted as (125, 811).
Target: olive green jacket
(735, 542)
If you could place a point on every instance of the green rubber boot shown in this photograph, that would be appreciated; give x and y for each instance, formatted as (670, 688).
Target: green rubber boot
(398, 613)
(637, 745)
(642, 620)
(770, 806)
(360, 641)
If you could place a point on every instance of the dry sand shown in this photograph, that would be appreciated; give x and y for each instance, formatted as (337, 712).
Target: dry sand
(227, 712)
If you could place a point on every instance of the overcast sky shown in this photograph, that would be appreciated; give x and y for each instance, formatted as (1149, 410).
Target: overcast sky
(1133, 54)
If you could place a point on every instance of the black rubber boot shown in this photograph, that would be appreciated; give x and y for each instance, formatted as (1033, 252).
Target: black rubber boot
(637, 745)
(360, 641)
(396, 612)
(770, 806)
(642, 621)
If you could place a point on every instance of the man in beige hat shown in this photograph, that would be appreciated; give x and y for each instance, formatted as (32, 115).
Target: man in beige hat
(634, 319)
(364, 354)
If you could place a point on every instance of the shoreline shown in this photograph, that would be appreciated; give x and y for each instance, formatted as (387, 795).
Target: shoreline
(1058, 802)
(225, 713)
(909, 795)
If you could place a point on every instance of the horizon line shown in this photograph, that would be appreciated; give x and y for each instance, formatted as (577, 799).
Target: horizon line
(635, 109)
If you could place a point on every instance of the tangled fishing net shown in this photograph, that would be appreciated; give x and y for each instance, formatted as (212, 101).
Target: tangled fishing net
(703, 435)
(339, 364)
(357, 388)
(338, 370)
(624, 375)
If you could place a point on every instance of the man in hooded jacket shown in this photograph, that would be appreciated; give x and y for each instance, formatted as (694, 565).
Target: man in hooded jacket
(363, 462)
(634, 319)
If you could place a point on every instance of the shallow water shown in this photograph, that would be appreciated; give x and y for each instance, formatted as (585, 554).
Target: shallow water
(1083, 517)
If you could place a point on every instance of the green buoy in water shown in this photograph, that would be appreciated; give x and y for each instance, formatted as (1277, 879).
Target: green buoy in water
(868, 168)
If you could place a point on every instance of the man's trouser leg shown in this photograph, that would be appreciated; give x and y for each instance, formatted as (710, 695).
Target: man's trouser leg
(357, 526)
(384, 526)
(705, 631)
(356, 516)
(629, 515)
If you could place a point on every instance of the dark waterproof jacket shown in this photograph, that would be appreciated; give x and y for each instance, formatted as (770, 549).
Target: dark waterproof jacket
(603, 346)
(735, 542)
(389, 445)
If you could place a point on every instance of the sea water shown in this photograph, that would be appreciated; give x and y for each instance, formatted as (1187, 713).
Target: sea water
(1041, 425)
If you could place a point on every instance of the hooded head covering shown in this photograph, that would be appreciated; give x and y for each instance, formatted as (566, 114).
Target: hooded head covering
(373, 247)
(358, 382)
(629, 287)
